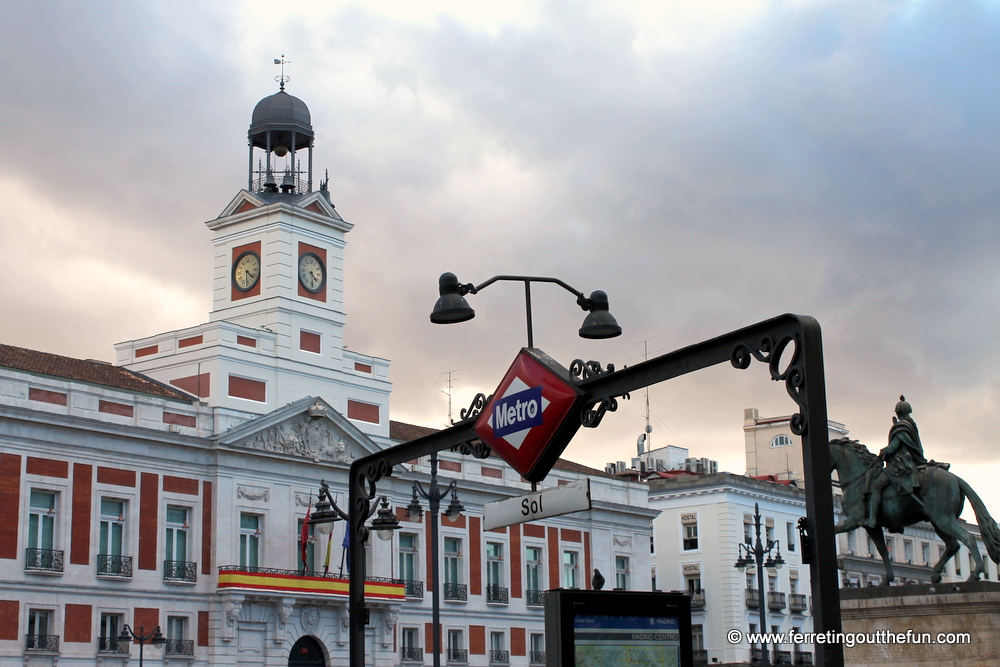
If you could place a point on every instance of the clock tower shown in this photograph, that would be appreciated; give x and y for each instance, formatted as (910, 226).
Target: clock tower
(275, 332)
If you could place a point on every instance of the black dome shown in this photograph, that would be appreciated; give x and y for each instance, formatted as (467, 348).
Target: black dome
(281, 114)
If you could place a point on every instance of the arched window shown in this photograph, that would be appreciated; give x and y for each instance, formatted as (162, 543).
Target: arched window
(306, 653)
(781, 441)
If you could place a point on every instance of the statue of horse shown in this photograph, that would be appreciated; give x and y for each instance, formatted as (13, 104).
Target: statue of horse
(939, 499)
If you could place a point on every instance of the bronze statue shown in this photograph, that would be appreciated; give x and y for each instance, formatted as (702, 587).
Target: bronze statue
(907, 490)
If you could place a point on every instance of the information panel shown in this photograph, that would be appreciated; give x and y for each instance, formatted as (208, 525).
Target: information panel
(629, 641)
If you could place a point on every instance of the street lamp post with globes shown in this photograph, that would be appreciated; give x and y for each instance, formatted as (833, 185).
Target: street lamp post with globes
(751, 557)
(155, 638)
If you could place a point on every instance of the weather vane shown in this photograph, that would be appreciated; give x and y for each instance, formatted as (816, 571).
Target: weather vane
(281, 78)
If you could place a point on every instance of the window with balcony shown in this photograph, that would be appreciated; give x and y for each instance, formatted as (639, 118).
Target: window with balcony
(111, 627)
(571, 569)
(409, 649)
(694, 589)
(177, 641)
(111, 559)
(409, 565)
(499, 655)
(456, 652)
(690, 535)
(533, 576)
(41, 554)
(791, 534)
(536, 643)
(250, 525)
(175, 563)
(622, 572)
(41, 633)
(698, 651)
(496, 590)
(454, 589)
(925, 552)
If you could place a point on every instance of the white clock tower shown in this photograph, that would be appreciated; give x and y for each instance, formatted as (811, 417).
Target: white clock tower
(275, 333)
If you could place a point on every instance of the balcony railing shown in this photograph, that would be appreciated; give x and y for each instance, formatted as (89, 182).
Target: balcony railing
(537, 657)
(797, 602)
(456, 592)
(48, 643)
(410, 654)
(499, 657)
(114, 566)
(698, 598)
(111, 645)
(757, 655)
(699, 657)
(775, 600)
(497, 595)
(43, 560)
(414, 589)
(782, 658)
(180, 647)
(535, 598)
(458, 654)
(803, 658)
(180, 570)
(753, 598)
(285, 583)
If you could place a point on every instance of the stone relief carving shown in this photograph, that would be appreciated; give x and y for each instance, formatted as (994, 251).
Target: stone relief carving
(284, 609)
(390, 627)
(304, 437)
(232, 615)
(345, 627)
(310, 618)
(253, 493)
(622, 541)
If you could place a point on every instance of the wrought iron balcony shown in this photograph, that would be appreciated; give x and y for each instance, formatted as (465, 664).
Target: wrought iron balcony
(458, 654)
(111, 645)
(537, 657)
(782, 658)
(499, 657)
(757, 655)
(414, 589)
(700, 657)
(497, 595)
(410, 654)
(698, 598)
(180, 647)
(48, 643)
(458, 592)
(180, 570)
(775, 600)
(753, 598)
(535, 598)
(114, 566)
(797, 602)
(43, 560)
(803, 658)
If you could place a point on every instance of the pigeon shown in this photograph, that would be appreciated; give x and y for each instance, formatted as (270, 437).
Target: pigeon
(598, 580)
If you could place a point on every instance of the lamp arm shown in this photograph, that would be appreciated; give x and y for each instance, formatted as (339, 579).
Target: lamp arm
(580, 298)
(420, 489)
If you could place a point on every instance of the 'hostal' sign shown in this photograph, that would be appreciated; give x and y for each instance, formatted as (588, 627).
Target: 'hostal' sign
(533, 414)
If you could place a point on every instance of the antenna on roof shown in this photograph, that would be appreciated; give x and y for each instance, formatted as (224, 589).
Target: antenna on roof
(281, 78)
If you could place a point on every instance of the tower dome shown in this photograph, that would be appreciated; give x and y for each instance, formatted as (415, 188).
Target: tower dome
(280, 126)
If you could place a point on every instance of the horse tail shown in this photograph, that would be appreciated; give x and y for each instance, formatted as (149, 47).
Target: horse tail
(988, 528)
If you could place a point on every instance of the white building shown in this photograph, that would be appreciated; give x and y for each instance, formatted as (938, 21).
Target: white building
(169, 490)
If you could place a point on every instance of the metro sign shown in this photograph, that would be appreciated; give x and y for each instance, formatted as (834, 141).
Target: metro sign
(532, 416)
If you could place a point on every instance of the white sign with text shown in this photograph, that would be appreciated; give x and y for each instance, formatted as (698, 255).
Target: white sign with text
(557, 500)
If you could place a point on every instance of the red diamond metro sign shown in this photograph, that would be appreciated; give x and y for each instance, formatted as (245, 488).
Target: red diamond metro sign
(532, 415)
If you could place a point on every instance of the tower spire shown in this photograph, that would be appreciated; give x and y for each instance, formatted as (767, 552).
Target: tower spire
(281, 78)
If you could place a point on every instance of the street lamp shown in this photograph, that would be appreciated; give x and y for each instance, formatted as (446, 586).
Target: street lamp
(327, 513)
(155, 638)
(751, 557)
(451, 306)
(434, 493)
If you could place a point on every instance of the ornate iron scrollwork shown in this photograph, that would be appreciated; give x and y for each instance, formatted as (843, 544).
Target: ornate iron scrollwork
(476, 448)
(478, 403)
(584, 370)
(766, 351)
(591, 416)
(373, 472)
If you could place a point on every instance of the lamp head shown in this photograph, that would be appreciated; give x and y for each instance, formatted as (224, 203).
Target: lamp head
(386, 522)
(414, 510)
(451, 306)
(325, 515)
(158, 638)
(599, 323)
(455, 508)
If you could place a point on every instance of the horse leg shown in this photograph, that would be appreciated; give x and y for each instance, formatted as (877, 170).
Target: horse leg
(950, 549)
(953, 529)
(879, 539)
(848, 524)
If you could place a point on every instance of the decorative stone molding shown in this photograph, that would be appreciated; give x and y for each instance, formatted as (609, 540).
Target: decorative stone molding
(390, 628)
(622, 541)
(284, 611)
(232, 608)
(345, 627)
(253, 493)
(302, 437)
(310, 618)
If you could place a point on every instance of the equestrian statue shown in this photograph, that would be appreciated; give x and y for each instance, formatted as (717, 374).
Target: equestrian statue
(900, 487)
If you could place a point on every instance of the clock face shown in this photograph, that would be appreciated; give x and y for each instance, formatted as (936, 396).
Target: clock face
(246, 271)
(312, 273)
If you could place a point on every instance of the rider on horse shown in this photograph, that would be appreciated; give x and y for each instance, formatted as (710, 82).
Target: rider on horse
(902, 457)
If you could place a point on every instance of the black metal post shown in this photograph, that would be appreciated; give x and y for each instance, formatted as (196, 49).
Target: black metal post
(154, 637)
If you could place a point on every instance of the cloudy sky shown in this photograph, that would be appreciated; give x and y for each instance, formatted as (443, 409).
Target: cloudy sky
(709, 165)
